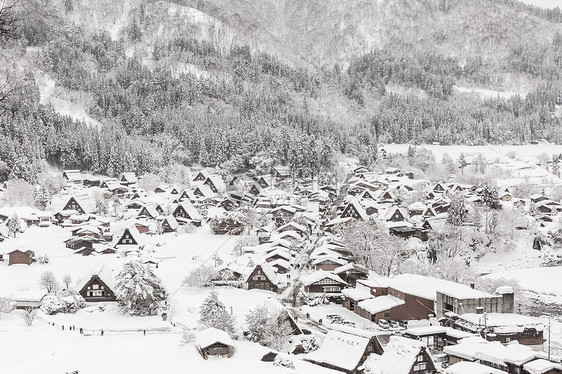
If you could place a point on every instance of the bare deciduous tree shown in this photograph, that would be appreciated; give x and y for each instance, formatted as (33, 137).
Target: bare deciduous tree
(29, 316)
(9, 20)
(49, 281)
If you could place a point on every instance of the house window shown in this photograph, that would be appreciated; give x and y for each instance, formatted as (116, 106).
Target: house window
(507, 340)
(331, 289)
(420, 367)
(387, 314)
(419, 358)
(96, 286)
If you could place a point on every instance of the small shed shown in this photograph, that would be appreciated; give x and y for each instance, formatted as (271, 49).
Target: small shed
(215, 342)
(19, 257)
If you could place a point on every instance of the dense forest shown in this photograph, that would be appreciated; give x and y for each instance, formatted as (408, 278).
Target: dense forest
(243, 108)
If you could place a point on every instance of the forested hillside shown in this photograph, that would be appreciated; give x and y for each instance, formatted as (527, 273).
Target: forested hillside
(246, 83)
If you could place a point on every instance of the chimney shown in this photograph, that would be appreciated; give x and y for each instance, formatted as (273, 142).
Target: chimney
(472, 285)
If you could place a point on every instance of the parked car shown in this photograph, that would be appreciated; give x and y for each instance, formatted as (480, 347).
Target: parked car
(384, 324)
(394, 324)
(403, 324)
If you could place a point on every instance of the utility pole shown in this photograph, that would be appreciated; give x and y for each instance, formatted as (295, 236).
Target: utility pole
(549, 319)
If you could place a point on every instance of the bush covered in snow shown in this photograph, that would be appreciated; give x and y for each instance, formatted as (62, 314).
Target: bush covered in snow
(283, 362)
(62, 302)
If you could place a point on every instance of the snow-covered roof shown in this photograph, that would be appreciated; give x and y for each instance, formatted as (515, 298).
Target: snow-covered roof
(211, 336)
(205, 191)
(293, 226)
(331, 258)
(380, 303)
(28, 296)
(357, 293)
(427, 287)
(501, 319)
(335, 343)
(318, 276)
(418, 205)
(541, 366)
(468, 367)
(398, 358)
(350, 266)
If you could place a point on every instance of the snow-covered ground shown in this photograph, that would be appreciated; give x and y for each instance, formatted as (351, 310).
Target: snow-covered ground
(487, 93)
(48, 91)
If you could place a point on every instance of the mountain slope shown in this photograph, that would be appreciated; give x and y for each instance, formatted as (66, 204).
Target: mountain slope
(323, 32)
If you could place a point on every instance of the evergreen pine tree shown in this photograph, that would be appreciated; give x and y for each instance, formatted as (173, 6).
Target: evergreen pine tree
(256, 322)
(457, 211)
(490, 196)
(139, 290)
(462, 162)
(41, 197)
(213, 313)
(14, 224)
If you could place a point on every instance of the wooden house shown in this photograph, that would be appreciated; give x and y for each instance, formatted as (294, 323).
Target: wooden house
(345, 351)
(95, 289)
(321, 282)
(351, 273)
(262, 181)
(263, 277)
(214, 342)
(72, 176)
(354, 210)
(127, 237)
(19, 257)
(255, 189)
(402, 356)
(215, 183)
(328, 263)
(281, 172)
(73, 204)
(187, 212)
(128, 178)
(169, 224)
(148, 211)
(201, 176)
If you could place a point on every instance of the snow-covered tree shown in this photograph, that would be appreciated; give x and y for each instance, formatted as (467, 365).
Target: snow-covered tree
(62, 302)
(6, 305)
(256, 322)
(462, 162)
(200, 277)
(271, 329)
(375, 248)
(457, 211)
(490, 196)
(479, 164)
(14, 224)
(49, 281)
(213, 313)
(278, 331)
(41, 197)
(139, 290)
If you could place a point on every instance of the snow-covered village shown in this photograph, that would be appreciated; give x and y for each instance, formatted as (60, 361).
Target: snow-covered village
(281, 186)
(383, 273)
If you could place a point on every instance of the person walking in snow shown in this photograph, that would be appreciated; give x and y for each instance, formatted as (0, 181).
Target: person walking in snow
(101, 332)
(62, 327)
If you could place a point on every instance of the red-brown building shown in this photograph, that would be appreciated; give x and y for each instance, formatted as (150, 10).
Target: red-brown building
(19, 257)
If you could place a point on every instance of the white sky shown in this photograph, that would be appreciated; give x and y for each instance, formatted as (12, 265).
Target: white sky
(544, 3)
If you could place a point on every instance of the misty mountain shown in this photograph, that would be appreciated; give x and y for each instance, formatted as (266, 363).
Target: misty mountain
(137, 85)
